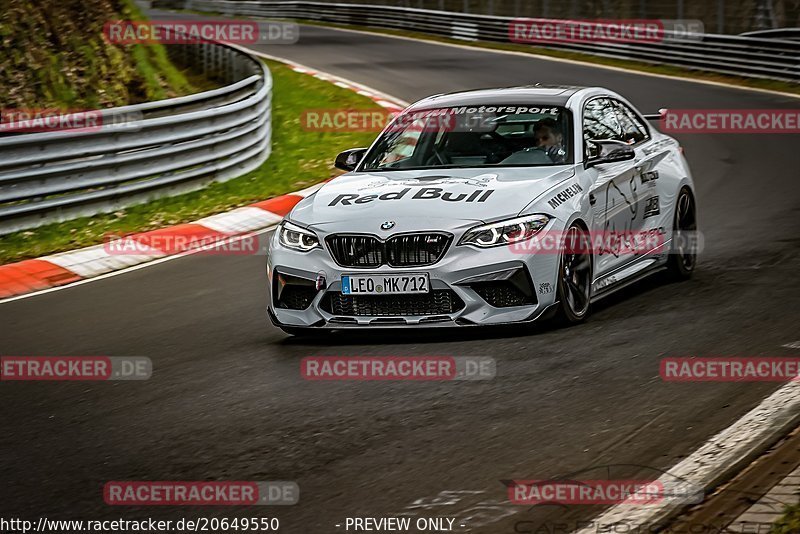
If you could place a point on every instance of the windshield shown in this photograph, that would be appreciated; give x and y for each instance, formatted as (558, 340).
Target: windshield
(479, 136)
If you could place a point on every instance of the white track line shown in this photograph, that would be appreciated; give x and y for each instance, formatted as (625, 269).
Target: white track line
(155, 261)
(364, 89)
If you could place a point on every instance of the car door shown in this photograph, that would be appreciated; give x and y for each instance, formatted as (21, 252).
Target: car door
(614, 194)
(651, 169)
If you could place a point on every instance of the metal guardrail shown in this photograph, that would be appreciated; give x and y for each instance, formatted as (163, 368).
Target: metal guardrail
(757, 57)
(145, 151)
(778, 33)
(718, 16)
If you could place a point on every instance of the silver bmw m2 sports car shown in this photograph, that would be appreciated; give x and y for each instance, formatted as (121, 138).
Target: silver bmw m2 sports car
(487, 207)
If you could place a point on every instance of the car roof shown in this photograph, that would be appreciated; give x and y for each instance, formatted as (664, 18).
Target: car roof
(539, 94)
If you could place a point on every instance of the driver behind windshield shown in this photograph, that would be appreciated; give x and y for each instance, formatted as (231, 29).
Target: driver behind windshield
(548, 136)
(548, 146)
(512, 135)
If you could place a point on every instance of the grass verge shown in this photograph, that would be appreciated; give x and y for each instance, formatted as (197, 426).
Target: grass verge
(789, 523)
(299, 159)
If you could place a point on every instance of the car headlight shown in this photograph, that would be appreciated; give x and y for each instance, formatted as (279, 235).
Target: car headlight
(505, 232)
(296, 238)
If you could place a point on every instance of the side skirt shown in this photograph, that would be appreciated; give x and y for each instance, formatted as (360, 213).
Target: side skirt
(615, 286)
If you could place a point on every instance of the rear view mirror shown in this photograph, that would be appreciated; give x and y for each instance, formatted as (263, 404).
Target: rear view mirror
(655, 116)
(608, 151)
(349, 159)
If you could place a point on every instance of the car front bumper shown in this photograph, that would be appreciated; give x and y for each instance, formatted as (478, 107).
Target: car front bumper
(469, 286)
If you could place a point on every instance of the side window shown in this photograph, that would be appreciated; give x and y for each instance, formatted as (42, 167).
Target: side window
(600, 121)
(633, 131)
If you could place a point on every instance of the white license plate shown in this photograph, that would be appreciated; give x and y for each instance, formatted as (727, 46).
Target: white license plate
(385, 284)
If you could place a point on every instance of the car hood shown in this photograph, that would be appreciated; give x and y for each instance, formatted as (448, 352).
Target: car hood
(457, 195)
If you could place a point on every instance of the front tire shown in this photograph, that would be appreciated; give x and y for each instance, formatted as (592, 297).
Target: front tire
(574, 277)
(683, 253)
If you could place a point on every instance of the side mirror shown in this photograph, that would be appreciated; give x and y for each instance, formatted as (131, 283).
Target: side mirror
(608, 151)
(349, 159)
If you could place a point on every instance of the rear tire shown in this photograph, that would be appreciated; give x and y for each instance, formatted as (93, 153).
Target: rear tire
(683, 253)
(574, 277)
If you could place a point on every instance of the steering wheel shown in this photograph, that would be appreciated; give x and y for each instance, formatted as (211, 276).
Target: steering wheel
(439, 156)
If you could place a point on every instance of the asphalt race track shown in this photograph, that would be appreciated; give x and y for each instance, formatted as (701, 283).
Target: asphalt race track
(227, 402)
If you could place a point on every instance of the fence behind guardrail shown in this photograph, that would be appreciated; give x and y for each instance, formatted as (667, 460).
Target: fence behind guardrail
(718, 16)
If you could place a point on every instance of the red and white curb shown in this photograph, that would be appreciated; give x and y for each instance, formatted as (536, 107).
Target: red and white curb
(90, 262)
(57, 270)
(379, 98)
